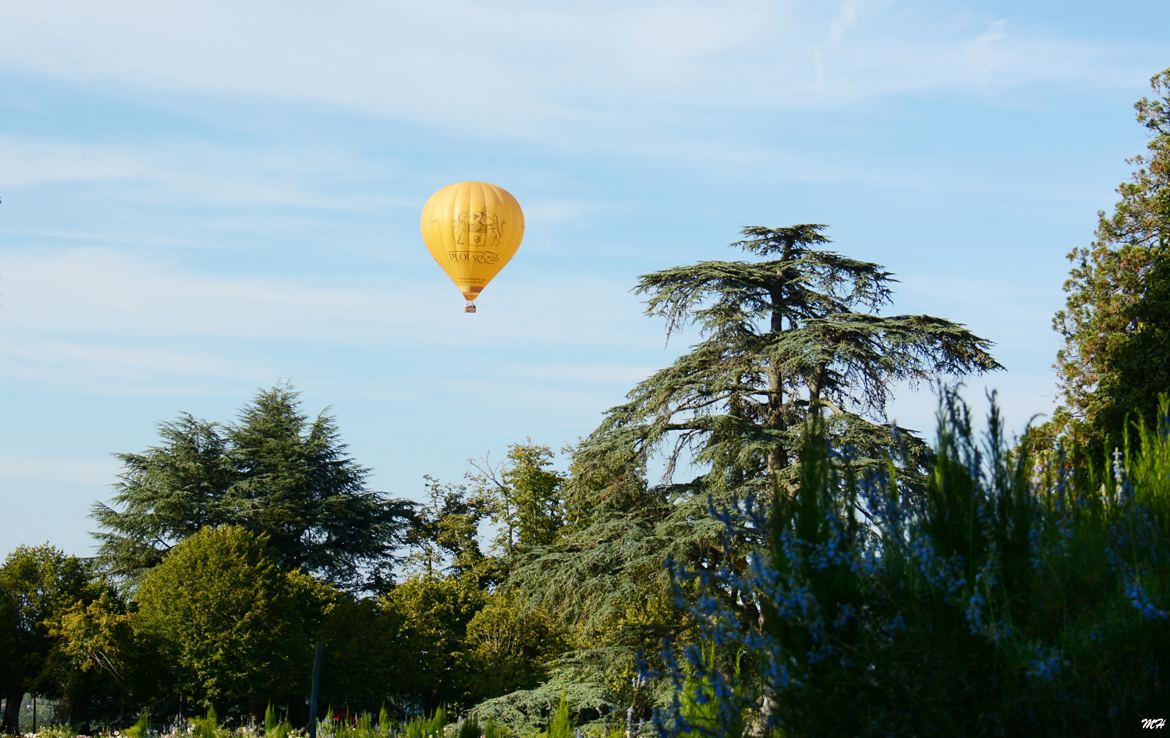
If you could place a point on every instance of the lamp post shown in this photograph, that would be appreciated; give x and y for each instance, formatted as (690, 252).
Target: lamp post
(313, 690)
(32, 707)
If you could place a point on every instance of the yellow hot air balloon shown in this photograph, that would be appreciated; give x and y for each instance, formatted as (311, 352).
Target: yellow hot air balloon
(472, 229)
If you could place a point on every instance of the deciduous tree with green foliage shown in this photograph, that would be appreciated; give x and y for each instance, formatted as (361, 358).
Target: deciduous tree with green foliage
(274, 472)
(232, 626)
(98, 640)
(361, 668)
(445, 537)
(37, 585)
(1116, 319)
(527, 496)
(511, 646)
(432, 615)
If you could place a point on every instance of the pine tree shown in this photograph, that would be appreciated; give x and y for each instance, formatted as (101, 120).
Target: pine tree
(783, 338)
(275, 473)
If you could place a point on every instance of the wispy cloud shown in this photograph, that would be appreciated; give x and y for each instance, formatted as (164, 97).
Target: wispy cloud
(179, 168)
(133, 323)
(846, 16)
(107, 368)
(25, 161)
(560, 72)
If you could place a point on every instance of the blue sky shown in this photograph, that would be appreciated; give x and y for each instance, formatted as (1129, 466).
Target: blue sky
(206, 199)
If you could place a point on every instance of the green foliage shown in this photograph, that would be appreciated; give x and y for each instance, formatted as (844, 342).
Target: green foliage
(702, 702)
(63, 730)
(364, 656)
(274, 725)
(785, 337)
(580, 675)
(1115, 358)
(208, 726)
(274, 472)
(428, 727)
(511, 646)
(233, 628)
(781, 338)
(491, 730)
(113, 666)
(140, 728)
(1005, 604)
(38, 585)
(432, 616)
(526, 495)
(532, 496)
(561, 726)
(469, 728)
(446, 536)
(97, 636)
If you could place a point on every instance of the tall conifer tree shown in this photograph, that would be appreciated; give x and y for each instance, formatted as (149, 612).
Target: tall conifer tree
(276, 473)
(793, 334)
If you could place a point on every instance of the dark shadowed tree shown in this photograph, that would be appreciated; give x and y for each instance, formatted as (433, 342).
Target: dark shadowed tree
(274, 472)
(431, 616)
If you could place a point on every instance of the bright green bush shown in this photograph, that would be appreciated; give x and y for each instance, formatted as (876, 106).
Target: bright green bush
(274, 727)
(561, 725)
(140, 728)
(208, 726)
(427, 727)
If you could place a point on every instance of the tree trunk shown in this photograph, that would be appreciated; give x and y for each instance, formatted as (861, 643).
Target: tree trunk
(79, 704)
(777, 458)
(10, 722)
(777, 461)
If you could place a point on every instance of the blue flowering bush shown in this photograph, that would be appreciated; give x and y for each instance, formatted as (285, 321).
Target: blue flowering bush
(997, 596)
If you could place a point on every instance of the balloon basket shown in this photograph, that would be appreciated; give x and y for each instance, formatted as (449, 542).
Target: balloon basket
(469, 307)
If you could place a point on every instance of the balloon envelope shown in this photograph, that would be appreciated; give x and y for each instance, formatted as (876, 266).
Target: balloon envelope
(472, 229)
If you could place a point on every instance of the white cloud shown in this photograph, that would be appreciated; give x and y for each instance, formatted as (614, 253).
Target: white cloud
(115, 322)
(101, 293)
(107, 368)
(846, 16)
(554, 211)
(626, 374)
(182, 169)
(26, 161)
(548, 73)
